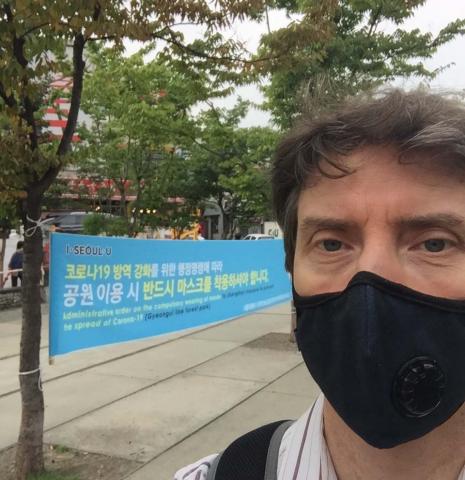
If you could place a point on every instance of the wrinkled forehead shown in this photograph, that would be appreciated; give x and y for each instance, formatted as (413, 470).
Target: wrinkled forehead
(444, 166)
(378, 185)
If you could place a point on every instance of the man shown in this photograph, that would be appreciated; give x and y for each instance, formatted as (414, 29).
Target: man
(371, 200)
(16, 265)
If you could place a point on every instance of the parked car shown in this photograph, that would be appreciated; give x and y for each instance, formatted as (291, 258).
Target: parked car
(72, 222)
(258, 236)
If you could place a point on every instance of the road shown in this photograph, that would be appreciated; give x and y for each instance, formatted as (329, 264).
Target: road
(165, 401)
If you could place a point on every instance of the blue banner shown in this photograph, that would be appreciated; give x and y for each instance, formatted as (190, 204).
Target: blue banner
(107, 290)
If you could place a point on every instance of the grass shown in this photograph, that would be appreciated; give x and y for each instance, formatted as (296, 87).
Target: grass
(52, 476)
(61, 448)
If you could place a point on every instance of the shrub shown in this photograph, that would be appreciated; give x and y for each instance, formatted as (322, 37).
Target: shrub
(116, 227)
(94, 224)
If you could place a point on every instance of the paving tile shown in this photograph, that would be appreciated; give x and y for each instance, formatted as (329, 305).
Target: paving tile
(147, 423)
(262, 365)
(66, 399)
(168, 359)
(262, 408)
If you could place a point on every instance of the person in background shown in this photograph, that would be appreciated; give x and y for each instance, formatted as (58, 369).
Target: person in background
(16, 263)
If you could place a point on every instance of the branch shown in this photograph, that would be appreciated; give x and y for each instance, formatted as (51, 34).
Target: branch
(374, 21)
(97, 10)
(191, 50)
(18, 51)
(65, 143)
(28, 109)
(267, 19)
(214, 110)
(206, 56)
(9, 100)
(28, 115)
(183, 24)
(33, 29)
(98, 39)
(8, 12)
(207, 149)
(78, 75)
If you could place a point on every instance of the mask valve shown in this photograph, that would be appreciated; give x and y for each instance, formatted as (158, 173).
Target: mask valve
(418, 387)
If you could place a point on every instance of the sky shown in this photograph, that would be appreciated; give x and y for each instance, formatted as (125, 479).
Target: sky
(431, 17)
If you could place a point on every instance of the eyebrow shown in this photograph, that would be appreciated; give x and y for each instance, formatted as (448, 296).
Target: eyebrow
(309, 224)
(431, 220)
(414, 222)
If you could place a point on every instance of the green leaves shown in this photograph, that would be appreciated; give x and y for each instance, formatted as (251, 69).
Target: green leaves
(137, 109)
(230, 165)
(342, 50)
(35, 39)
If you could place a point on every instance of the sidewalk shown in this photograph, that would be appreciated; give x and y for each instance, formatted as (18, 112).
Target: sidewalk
(168, 401)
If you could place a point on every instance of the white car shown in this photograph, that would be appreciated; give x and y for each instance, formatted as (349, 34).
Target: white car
(258, 236)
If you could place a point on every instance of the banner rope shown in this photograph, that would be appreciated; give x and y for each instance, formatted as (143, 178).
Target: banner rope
(29, 232)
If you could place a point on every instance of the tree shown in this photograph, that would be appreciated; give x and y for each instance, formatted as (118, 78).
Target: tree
(35, 37)
(249, 187)
(126, 144)
(230, 165)
(357, 53)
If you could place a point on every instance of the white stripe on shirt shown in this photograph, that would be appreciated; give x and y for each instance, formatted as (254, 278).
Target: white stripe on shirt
(303, 454)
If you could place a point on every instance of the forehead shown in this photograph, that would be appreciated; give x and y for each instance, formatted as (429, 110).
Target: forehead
(381, 184)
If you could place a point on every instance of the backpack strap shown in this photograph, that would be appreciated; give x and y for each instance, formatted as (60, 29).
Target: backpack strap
(254, 456)
(271, 470)
(211, 474)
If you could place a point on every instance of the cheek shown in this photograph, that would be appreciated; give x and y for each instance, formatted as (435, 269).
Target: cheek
(450, 284)
(309, 280)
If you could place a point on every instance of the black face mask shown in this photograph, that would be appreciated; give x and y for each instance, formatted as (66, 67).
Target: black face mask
(390, 360)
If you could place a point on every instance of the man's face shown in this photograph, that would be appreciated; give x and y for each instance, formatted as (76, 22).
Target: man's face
(405, 223)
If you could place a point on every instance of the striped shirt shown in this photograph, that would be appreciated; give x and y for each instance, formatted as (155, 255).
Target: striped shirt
(303, 454)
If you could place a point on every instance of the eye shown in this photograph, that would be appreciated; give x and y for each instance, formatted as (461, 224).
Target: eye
(436, 245)
(331, 245)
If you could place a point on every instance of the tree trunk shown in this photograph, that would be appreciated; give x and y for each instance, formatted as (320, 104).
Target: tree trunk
(225, 219)
(133, 226)
(122, 205)
(29, 452)
(227, 226)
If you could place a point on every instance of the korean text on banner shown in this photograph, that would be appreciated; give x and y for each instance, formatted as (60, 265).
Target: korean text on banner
(107, 290)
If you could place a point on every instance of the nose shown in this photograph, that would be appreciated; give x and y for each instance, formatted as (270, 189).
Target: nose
(380, 256)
